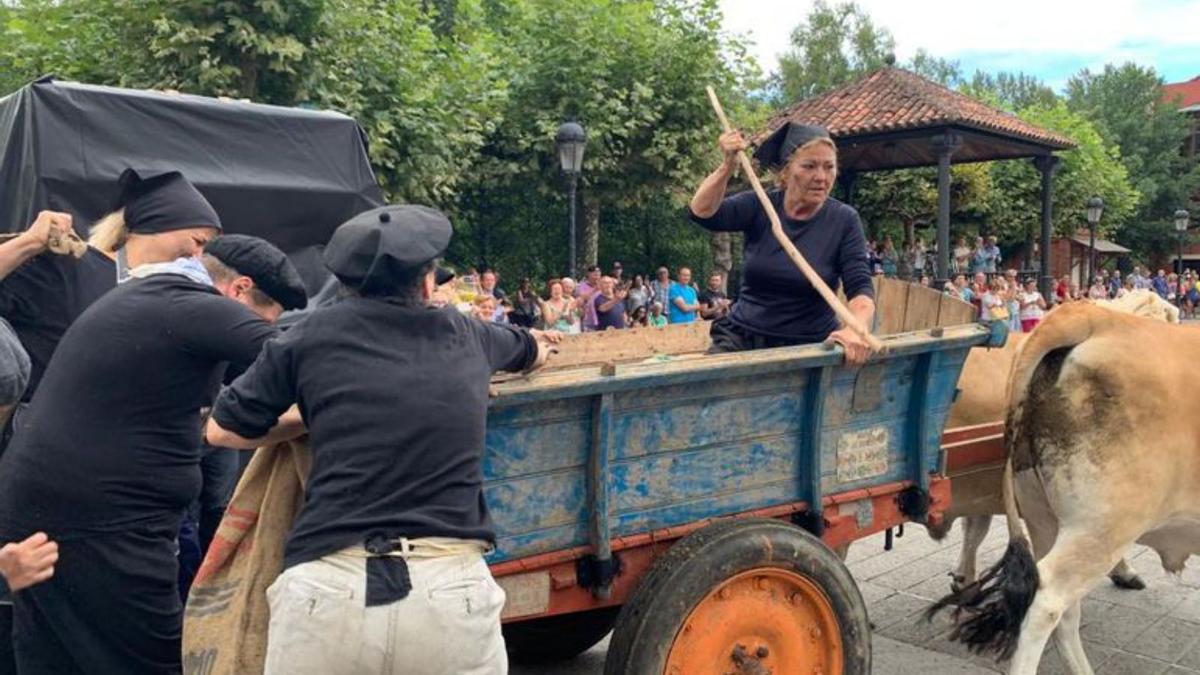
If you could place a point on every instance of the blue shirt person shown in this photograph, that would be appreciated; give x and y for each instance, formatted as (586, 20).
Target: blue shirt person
(683, 300)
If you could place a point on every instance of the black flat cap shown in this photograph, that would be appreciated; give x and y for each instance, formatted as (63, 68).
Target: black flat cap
(268, 266)
(162, 201)
(376, 249)
(779, 146)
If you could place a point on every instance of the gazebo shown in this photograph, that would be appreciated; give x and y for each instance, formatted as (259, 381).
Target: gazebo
(896, 119)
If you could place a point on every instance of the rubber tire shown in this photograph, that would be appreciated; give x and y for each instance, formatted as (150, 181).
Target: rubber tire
(694, 566)
(557, 638)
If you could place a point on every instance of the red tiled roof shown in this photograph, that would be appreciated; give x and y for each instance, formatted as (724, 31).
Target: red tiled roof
(894, 99)
(1187, 92)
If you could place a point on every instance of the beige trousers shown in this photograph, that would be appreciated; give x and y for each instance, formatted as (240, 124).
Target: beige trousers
(448, 625)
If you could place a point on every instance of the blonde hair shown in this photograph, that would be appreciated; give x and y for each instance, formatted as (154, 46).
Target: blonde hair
(820, 140)
(109, 233)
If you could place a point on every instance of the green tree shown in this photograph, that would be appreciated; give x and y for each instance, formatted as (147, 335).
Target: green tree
(943, 71)
(241, 49)
(427, 96)
(255, 50)
(1124, 102)
(835, 45)
(1010, 91)
(633, 74)
(96, 41)
(1093, 168)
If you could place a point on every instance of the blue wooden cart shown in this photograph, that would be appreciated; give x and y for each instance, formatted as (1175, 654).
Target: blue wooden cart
(694, 501)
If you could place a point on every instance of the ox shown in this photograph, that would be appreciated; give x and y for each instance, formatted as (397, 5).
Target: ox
(1095, 466)
(980, 401)
(976, 494)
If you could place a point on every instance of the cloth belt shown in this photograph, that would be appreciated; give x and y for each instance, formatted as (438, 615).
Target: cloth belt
(388, 578)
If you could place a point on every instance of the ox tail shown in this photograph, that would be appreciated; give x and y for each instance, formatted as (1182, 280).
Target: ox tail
(988, 613)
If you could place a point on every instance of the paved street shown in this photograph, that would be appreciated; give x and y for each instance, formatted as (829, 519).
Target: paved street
(1125, 632)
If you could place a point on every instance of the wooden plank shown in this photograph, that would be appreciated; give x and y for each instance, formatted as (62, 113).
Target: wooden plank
(598, 483)
(891, 303)
(634, 344)
(954, 312)
(922, 311)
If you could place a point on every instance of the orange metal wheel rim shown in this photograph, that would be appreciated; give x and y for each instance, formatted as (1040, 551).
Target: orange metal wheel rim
(765, 620)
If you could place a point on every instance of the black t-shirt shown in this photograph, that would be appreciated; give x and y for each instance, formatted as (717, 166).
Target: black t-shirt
(112, 437)
(613, 318)
(395, 400)
(44, 296)
(776, 299)
(709, 297)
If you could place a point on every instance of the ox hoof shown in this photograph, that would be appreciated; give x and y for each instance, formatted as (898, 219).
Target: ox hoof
(957, 583)
(1132, 582)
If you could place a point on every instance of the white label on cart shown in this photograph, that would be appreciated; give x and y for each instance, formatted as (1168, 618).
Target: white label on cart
(526, 594)
(862, 454)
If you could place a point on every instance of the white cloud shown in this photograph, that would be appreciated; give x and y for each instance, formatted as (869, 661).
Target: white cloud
(1091, 33)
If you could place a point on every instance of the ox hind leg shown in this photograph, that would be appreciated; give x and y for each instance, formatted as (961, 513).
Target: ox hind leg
(1123, 576)
(975, 530)
(1067, 572)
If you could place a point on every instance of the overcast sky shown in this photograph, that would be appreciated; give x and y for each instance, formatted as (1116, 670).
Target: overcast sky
(1052, 39)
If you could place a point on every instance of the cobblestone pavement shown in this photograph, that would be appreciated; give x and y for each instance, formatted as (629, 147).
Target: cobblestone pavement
(1146, 632)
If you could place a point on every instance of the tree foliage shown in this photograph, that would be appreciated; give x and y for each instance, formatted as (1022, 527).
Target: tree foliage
(460, 100)
(1093, 168)
(835, 45)
(1125, 104)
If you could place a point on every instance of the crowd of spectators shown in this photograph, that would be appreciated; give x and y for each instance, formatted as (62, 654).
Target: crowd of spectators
(596, 302)
(615, 301)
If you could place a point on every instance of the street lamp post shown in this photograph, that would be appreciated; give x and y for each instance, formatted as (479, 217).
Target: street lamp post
(1181, 226)
(1095, 208)
(570, 140)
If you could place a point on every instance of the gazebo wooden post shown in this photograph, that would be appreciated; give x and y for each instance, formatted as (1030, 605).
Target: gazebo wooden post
(1047, 165)
(848, 179)
(945, 144)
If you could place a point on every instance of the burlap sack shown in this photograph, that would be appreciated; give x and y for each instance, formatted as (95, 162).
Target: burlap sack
(225, 623)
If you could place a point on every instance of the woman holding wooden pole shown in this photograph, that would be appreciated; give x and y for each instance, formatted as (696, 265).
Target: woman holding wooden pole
(778, 304)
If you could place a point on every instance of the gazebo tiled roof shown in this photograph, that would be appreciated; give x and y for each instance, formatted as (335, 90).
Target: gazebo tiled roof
(886, 119)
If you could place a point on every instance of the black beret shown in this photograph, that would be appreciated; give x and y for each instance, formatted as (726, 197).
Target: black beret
(260, 260)
(162, 201)
(774, 152)
(376, 249)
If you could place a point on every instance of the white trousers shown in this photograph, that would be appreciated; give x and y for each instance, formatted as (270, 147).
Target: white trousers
(449, 624)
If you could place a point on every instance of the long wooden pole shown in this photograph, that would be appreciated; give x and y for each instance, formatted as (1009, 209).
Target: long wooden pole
(835, 303)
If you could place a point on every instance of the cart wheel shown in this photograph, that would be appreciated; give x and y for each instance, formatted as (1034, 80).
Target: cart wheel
(557, 638)
(744, 596)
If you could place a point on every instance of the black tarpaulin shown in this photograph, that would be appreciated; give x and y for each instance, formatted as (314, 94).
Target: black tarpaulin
(288, 175)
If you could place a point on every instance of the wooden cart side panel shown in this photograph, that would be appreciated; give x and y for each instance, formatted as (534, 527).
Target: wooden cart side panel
(953, 311)
(548, 584)
(891, 305)
(922, 310)
(634, 344)
(686, 452)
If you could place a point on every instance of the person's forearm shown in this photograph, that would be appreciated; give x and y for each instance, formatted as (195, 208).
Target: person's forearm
(863, 309)
(15, 252)
(711, 192)
(606, 306)
(288, 426)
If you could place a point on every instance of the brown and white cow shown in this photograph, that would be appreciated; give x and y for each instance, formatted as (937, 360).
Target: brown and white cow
(1096, 463)
(981, 401)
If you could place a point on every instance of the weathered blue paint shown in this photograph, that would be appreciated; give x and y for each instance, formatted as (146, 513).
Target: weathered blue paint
(999, 333)
(598, 478)
(918, 422)
(810, 460)
(573, 460)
